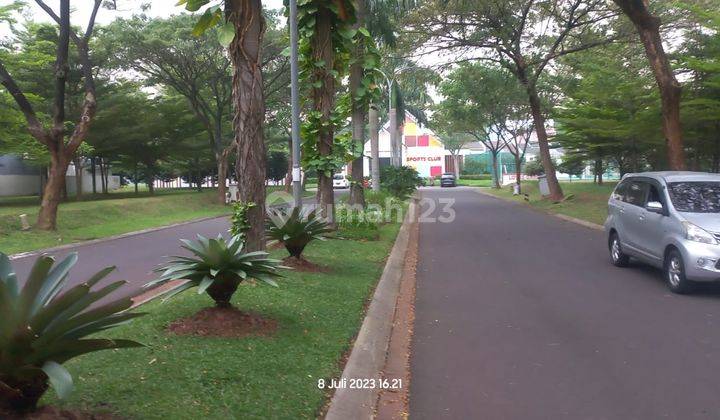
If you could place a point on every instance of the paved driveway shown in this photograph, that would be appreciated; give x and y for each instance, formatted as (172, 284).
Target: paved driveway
(135, 256)
(519, 315)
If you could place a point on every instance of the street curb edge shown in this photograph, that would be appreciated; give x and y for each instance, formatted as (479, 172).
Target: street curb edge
(368, 355)
(564, 217)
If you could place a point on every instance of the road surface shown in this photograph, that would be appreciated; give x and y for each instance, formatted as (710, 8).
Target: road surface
(519, 315)
(134, 256)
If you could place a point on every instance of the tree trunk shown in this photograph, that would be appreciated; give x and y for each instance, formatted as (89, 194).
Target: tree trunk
(518, 172)
(324, 102)
(135, 177)
(496, 180)
(395, 153)
(359, 113)
(456, 165)
(648, 27)
(52, 193)
(222, 176)
(288, 175)
(374, 118)
(250, 167)
(93, 172)
(599, 171)
(78, 178)
(556, 193)
(150, 179)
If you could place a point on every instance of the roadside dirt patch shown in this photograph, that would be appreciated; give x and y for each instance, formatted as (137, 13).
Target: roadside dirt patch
(301, 264)
(394, 401)
(223, 322)
(49, 412)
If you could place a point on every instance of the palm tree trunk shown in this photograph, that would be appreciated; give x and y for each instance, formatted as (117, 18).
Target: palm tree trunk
(324, 102)
(246, 55)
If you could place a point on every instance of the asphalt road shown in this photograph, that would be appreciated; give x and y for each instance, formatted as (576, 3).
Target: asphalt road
(134, 256)
(520, 315)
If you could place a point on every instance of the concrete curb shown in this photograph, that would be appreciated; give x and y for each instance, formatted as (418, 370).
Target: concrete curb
(580, 222)
(564, 217)
(109, 238)
(369, 352)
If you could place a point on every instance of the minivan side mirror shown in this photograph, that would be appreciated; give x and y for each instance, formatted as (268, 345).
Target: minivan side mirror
(654, 207)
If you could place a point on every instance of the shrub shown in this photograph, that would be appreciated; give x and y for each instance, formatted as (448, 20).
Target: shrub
(400, 181)
(355, 223)
(295, 229)
(239, 224)
(218, 267)
(42, 328)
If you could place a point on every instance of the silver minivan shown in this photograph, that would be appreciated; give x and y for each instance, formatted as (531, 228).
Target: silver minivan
(670, 220)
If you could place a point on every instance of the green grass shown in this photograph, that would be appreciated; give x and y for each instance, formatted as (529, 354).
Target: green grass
(588, 201)
(475, 182)
(101, 216)
(257, 377)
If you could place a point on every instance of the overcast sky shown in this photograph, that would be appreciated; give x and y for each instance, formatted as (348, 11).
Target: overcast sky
(81, 10)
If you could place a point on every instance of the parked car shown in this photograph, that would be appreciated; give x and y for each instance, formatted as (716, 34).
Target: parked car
(670, 220)
(340, 181)
(448, 180)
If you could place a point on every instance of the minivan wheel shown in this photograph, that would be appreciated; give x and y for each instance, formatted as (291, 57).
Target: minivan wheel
(619, 259)
(675, 273)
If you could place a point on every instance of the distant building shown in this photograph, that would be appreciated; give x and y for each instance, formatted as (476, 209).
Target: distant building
(422, 149)
(17, 178)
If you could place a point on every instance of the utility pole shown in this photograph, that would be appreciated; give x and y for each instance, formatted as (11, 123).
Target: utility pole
(295, 104)
(374, 119)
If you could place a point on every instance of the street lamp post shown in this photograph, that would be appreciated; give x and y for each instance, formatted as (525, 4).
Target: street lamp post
(295, 104)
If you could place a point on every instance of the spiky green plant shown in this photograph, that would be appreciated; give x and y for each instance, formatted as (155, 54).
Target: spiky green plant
(218, 267)
(41, 327)
(295, 229)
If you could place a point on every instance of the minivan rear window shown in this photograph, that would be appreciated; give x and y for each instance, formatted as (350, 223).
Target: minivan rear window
(695, 197)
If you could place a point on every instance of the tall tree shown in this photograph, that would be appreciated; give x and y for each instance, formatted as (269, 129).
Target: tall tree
(523, 36)
(648, 28)
(326, 41)
(61, 150)
(166, 51)
(483, 101)
(242, 28)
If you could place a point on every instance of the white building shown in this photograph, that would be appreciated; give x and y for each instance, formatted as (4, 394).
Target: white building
(422, 149)
(18, 178)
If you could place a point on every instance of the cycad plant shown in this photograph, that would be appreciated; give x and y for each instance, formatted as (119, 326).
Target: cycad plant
(42, 327)
(217, 267)
(295, 229)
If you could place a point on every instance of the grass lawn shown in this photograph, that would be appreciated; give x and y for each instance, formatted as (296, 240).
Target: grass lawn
(104, 215)
(181, 377)
(589, 201)
(475, 182)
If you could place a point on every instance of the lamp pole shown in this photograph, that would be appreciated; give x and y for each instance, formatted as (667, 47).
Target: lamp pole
(295, 104)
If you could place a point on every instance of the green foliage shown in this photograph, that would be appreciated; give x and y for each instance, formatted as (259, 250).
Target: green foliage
(612, 111)
(401, 182)
(295, 229)
(277, 165)
(42, 328)
(534, 168)
(239, 223)
(572, 165)
(358, 223)
(216, 267)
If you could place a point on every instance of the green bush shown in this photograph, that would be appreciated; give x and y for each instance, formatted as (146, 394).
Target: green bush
(217, 267)
(295, 229)
(401, 181)
(42, 328)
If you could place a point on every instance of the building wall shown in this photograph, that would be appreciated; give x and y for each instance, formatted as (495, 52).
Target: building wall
(18, 178)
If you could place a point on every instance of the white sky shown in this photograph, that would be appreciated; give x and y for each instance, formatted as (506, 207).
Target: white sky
(81, 10)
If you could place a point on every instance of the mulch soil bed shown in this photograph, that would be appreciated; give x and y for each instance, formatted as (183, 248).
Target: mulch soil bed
(223, 322)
